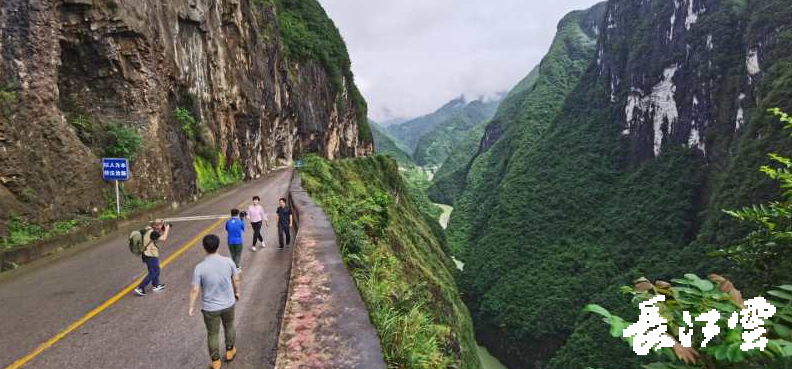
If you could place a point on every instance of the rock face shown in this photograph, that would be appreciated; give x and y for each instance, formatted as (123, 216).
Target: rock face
(71, 63)
(620, 171)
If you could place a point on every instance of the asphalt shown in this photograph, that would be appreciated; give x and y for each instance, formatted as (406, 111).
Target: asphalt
(42, 299)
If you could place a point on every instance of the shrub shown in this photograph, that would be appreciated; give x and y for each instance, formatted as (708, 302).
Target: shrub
(188, 123)
(213, 174)
(122, 142)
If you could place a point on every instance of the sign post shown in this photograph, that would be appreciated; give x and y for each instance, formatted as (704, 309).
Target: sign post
(115, 169)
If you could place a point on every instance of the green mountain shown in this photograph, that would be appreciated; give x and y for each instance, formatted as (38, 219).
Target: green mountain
(396, 254)
(645, 121)
(385, 145)
(408, 134)
(434, 147)
(449, 180)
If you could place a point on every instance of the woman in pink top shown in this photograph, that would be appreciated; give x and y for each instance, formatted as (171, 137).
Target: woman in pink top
(257, 216)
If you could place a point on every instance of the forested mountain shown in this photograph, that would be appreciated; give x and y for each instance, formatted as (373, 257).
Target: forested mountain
(449, 181)
(647, 119)
(434, 147)
(385, 145)
(407, 134)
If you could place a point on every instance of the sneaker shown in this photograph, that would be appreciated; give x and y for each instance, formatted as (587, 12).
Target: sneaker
(280, 248)
(239, 270)
(140, 292)
(254, 249)
(159, 288)
(215, 364)
(263, 245)
(230, 354)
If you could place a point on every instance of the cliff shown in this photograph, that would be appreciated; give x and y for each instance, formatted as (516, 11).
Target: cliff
(232, 82)
(664, 126)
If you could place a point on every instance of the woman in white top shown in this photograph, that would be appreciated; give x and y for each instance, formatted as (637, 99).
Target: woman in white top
(257, 216)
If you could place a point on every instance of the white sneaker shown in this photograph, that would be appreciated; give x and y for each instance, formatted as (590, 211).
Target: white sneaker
(159, 288)
(254, 249)
(239, 270)
(140, 292)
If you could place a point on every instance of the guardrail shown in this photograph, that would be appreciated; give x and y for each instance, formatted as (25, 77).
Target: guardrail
(325, 322)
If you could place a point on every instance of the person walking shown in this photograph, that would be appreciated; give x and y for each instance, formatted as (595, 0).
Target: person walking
(217, 281)
(257, 216)
(285, 222)
(235, 227)
(155, 232)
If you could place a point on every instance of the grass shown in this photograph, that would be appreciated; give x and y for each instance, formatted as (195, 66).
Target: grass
(21, 232)
(215, 174)
(395, 253)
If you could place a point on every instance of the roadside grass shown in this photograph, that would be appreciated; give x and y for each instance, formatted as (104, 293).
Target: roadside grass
(396, 257)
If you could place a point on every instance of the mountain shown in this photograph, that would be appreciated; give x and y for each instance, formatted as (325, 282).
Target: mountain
(179, 85)
(449, 180)
(434, 147)
(646, 120)
(408, 133)
(384, 145)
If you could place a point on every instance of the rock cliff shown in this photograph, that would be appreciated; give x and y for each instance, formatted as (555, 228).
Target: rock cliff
(73, 70)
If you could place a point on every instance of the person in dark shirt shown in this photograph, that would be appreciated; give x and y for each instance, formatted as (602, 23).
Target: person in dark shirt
(285, 222)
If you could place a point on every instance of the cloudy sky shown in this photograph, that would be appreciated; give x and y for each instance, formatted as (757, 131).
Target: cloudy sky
(411, 56)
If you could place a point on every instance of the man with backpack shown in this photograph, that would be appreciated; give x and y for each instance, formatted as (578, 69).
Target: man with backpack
(144, 243)
(217, 280)
(235, 227)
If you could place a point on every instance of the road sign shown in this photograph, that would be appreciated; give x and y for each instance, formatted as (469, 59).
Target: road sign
(298, 164)
(115, 169)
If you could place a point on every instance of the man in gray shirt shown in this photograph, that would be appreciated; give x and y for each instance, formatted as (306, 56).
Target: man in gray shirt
(216, 279)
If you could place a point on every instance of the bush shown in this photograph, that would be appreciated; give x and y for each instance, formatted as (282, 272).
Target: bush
(188, 123)
(214, 174)
(122, 142)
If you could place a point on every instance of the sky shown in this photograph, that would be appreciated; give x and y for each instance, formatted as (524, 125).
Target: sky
(410, 57)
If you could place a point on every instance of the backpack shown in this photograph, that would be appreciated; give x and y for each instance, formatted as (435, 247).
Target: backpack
(136, 241)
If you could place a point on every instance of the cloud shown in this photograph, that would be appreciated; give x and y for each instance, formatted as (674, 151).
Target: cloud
(411, 56)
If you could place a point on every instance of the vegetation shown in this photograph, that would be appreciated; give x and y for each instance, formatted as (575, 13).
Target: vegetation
(560, 209)
(188, 123)
(122, 141)
(435, 146)
(417, 182)
(763, 251)
(215, 173)
(395, 255)
(21, 232)
(8, 97)
(384, 145)
(129, 205)
(696, 296)
(407, 134)
(308, 34)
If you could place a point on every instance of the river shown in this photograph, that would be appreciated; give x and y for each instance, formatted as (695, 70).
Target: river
(487, 360)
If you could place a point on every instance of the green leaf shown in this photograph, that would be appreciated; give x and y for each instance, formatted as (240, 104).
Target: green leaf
(617, 326)
(780, 294)
(594, 308)
(786, 287)
(782, 330)
(735, 353)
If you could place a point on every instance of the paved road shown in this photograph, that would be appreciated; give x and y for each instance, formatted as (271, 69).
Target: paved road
(42, 299)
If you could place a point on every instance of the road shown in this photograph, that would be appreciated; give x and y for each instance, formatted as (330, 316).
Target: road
(121, 330)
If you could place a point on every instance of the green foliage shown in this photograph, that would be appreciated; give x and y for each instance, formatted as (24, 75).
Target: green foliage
(129, 205)
(765, 250)
(417, 183)
(215, 173)
(21, 232)
(435, 146)
(384, 145)
(122, 141)
(188, 123)
(396, 258)
(308, 34)
(8, 97)
(698, 296)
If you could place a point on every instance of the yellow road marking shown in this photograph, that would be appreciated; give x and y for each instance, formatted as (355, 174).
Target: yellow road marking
(85, 318)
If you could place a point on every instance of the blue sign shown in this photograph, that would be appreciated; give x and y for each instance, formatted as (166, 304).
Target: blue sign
(298, 164)
(114, 169)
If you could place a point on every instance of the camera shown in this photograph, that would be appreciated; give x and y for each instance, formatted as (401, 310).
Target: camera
(242, 214)
(166, 225)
